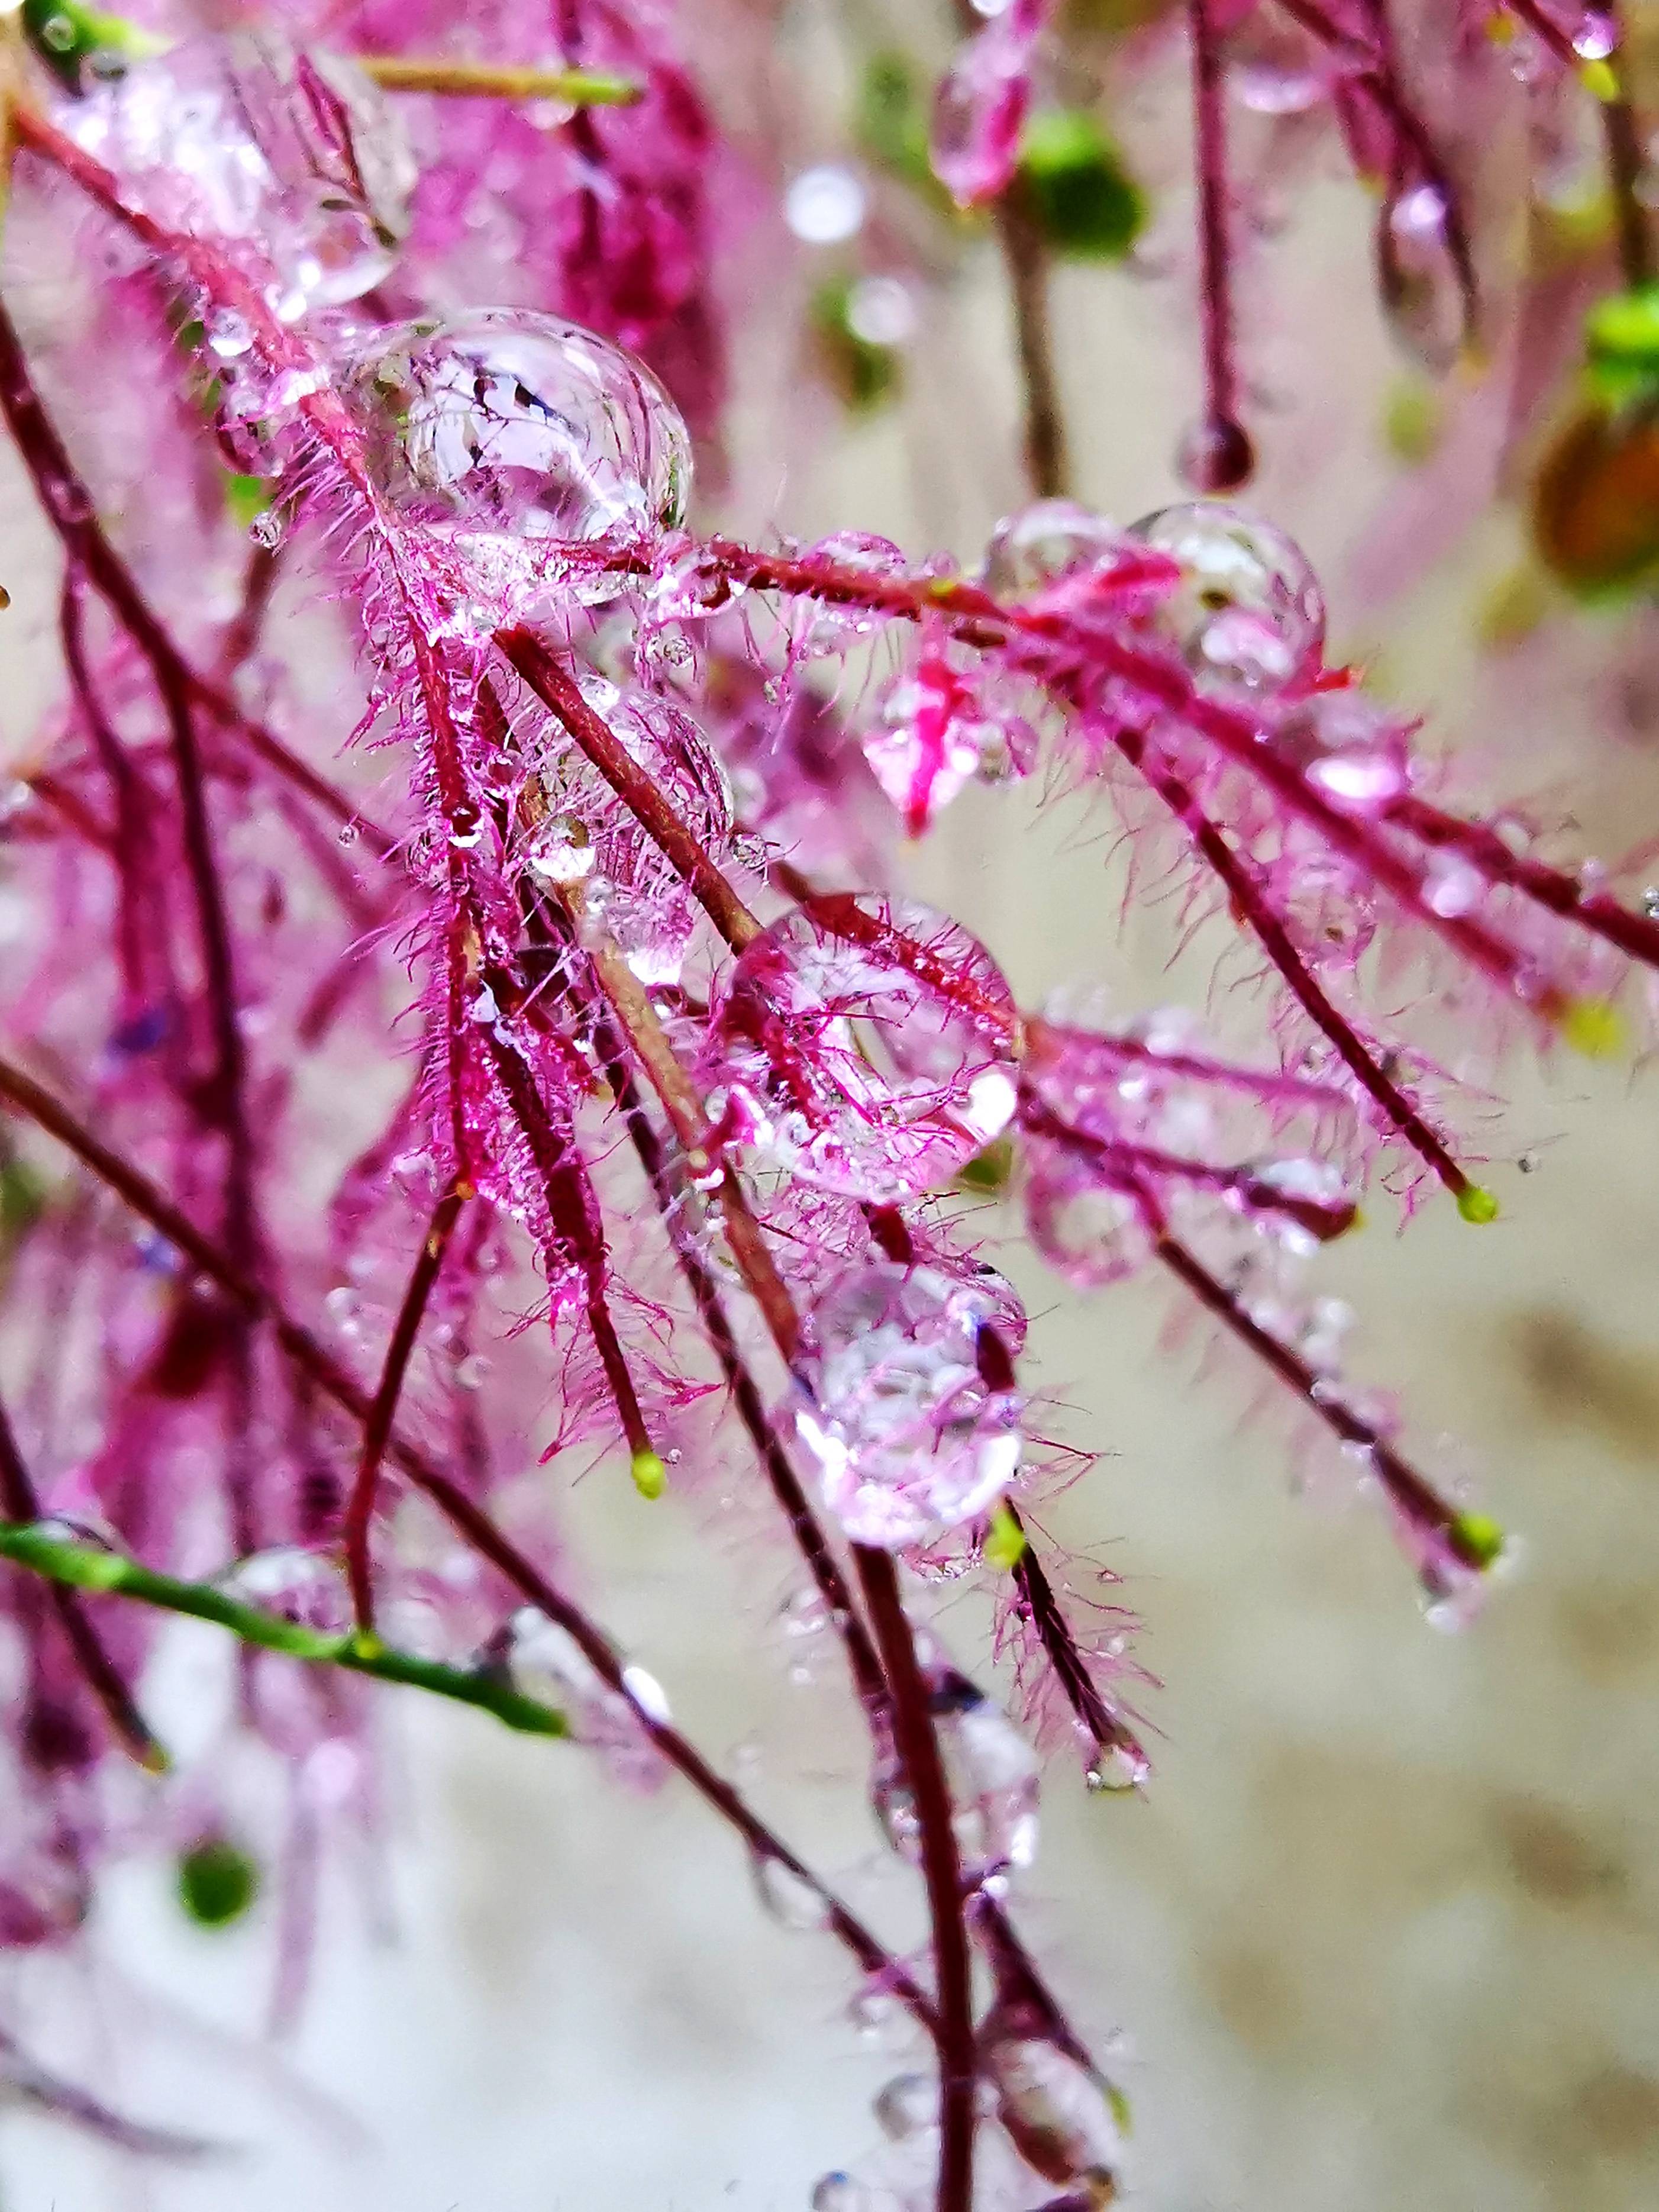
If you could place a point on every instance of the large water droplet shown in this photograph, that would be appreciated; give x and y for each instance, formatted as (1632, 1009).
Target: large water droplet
(908, 1435)
(906, 2106)
(866, 1044)
(511, 430)
(1064, 2119)
(245, 136)
(1249, 613)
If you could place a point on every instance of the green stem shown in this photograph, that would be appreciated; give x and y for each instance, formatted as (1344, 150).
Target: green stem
(84, 1566)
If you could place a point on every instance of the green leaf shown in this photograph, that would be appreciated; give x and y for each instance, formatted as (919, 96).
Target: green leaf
(1078, 192)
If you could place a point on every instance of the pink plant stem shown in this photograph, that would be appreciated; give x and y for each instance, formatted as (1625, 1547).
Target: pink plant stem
(300, 1347)
(1415, 1499)
(1250, 904)
(869, 1682)
(1274, 1088)
(383, 1411)
(1115, 1156)
(21, 1503)
(556, 688)
(917, 1746)
(1214, 223)
(1561, 894)
(1093, 1715)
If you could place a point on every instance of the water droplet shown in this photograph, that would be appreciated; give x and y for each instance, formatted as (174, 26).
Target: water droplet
(514, 433)
(907, 1435)
(647, 1694)
(266, 528)
(303, 1587)
(1088, 1232)
(1249, 615)
(882, 311)
(785, 1896)
(1065, 2121)
(867, 1044)
(561, 850)
(906, 2106)
(980, 109)
(934, 734)
(1051, 539)
(228, 334)
(1217, 456)
(825, 206)
(1117, 1767)
(844, 2192)
(1353, 752)
(246, 137)
(1422, 294)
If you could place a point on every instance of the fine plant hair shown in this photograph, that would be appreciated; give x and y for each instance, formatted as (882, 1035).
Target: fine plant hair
(424, 761)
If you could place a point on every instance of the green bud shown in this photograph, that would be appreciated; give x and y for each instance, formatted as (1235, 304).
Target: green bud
(217, 1882)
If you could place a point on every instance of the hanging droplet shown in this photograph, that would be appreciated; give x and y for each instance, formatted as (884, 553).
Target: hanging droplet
(867, 1044)
(908, 1435)
(785, 1896)
(510, 430)
(1249, 615)
(1217, 456)
(1115, 1768)
(245, 136)
(1418, 272)
(1089, 1232)
(1065, 2121)
(906, 2106)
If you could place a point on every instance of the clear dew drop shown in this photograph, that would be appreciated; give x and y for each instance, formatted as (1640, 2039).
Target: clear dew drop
(908, 1435)
(246, 137)
(1064, 2119)
(1044, 542)
(784, 1896)
(509, 429)
(1116, 1768)
(1353, 752)
(906, 2106)
(303, 1587)
(1248, 615)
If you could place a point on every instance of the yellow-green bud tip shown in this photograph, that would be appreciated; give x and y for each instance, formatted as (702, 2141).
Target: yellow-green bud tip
(1595, 1027)
(1601, 80)
(1477, 1539)
(650, 1475)
(1004, 1541)
(1477, 1204)
(364, 1643)
(156, 1759)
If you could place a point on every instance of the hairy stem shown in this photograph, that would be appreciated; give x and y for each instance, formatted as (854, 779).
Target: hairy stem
(360, 1507)
(299, 1345)
(917, 1746)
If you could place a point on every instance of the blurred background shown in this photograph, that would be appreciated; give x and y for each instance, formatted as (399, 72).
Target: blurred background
(1383, 1931)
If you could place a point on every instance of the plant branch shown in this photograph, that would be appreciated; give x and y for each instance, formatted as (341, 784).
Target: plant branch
(74, 1566)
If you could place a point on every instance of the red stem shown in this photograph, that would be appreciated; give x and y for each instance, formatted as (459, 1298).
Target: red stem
(360, 1508)
(299, 1345)
(21, 1503)
(1227, 443)
(557, 688)
(918, 1750)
